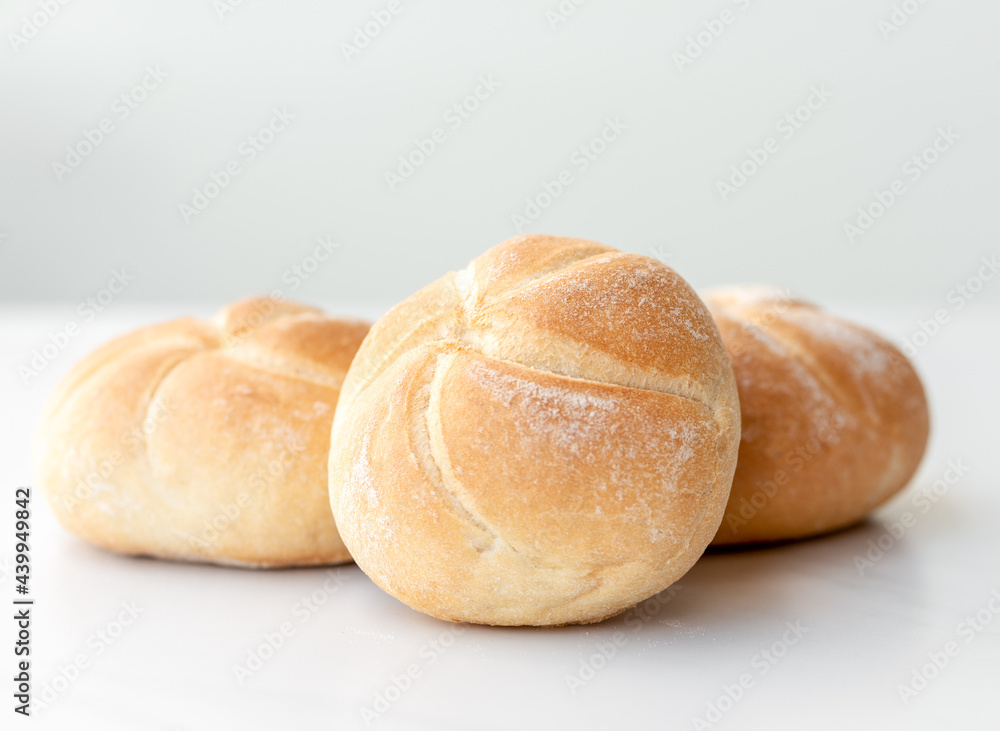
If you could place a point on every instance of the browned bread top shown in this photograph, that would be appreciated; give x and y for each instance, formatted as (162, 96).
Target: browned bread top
(545, 437)
(203, 440)
(834, 417)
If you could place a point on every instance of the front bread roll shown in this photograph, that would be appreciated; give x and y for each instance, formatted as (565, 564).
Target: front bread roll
(204, 441)
(547, 437)
(834, 417)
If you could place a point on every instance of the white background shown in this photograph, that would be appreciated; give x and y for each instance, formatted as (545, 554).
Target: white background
(654, 191)
(654, 187)
(869, 629)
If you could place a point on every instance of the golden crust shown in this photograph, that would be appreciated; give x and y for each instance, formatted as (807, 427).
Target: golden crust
(514, 445)
(203, 441)
(835, 419)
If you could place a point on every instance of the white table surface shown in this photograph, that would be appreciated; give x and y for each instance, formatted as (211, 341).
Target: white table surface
(864, 635)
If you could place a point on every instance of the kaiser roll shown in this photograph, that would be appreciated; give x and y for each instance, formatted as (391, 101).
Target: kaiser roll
(203, 441)
(834, 417)
(546, 437)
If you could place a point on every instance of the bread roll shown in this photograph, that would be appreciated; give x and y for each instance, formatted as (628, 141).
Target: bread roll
(547, 437)
(203, 441)
(834, 417)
